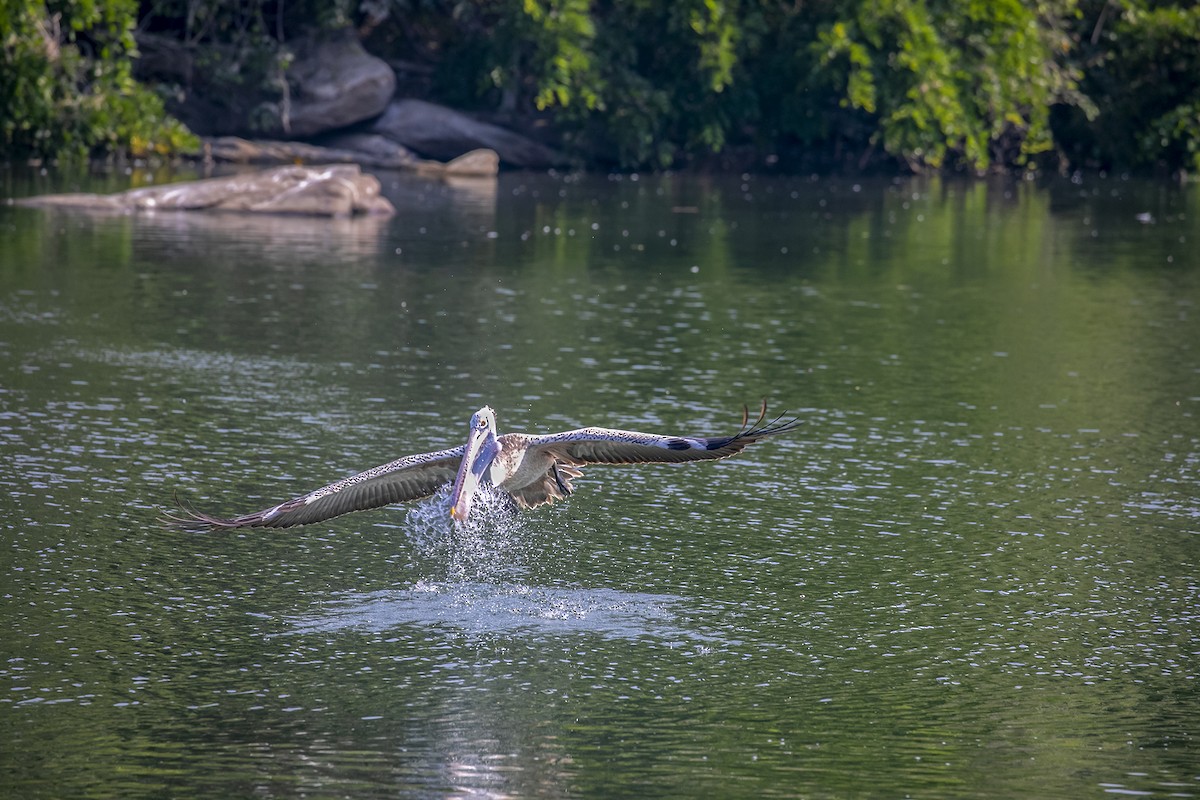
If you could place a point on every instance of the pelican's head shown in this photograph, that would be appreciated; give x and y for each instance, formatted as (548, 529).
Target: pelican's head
(481, 448)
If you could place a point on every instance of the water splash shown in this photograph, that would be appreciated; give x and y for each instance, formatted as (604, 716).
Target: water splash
(491, 546)
(482, 609)
(476, 582)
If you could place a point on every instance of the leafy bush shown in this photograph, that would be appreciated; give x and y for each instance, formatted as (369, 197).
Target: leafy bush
(66, 88)
(972, 80)
(645, 82)
(633, 81)
(966, 84)
(1143, 68)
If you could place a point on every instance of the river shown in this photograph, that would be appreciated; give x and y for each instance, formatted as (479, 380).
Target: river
(972, 571)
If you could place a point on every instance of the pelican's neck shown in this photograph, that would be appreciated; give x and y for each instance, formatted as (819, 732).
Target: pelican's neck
(500, 466)
(487, 462)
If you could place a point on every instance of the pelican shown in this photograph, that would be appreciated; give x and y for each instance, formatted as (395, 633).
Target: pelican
(532, 470)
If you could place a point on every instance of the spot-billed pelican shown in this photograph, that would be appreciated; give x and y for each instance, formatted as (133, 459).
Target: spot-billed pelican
(532, 470)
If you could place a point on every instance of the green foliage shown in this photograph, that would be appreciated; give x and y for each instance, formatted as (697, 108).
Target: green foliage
(637, 81)
(645, 82)
(1174, 137)
(1143, 62)
(960, 84)
(66, 87)
(665, 71)
(973, 80)
(564, 31)
(531, 53)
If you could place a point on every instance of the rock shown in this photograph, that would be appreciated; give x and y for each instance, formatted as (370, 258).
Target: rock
(373, 150)
(352, 148)
(438, 132)
(338, 191)
(475, 164)
(334, 83)
(362, 149)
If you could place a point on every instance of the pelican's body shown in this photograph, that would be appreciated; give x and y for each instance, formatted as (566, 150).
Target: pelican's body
(530, 469)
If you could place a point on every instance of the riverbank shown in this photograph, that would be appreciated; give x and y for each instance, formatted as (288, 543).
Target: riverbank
(851, 86)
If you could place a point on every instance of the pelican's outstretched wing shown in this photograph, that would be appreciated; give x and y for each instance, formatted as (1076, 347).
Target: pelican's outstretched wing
(610, 446)
(408, 478)
(562, 452)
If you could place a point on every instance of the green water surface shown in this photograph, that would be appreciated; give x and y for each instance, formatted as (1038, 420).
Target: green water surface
(971, 572)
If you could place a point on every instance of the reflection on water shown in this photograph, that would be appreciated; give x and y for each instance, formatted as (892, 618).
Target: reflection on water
(970, 573)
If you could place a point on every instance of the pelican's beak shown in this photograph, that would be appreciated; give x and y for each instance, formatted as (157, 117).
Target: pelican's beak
(476, 460)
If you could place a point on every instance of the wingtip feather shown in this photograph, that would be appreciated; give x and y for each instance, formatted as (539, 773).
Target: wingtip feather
(190, 519)
(777, 424)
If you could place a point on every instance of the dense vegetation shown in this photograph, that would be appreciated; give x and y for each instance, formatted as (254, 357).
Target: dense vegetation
(66, 83)
(960, 84)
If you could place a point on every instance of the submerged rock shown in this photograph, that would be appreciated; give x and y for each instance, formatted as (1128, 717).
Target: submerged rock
(332, 190)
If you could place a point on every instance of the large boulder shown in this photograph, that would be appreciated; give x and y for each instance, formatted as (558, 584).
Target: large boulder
(438, 132)
(337, 191)
(332, 83)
